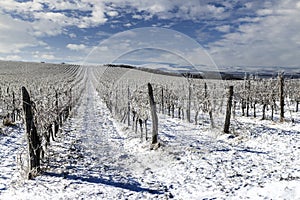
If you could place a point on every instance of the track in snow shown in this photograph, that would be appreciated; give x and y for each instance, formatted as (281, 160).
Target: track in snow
(99, 155)
(88, 160)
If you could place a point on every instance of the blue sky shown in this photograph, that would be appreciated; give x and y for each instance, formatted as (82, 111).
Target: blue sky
(232, 33)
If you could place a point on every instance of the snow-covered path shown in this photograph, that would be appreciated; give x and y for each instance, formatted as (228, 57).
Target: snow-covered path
(88, 160)
(103, 164)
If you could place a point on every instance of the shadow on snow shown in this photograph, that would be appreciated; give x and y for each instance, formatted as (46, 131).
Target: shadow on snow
(127, 184)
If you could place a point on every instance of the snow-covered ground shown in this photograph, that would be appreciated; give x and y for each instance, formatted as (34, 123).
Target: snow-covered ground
(96, 157)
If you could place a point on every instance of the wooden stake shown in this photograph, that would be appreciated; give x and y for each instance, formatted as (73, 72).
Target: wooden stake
(228, 111)
(154, 115)
(34, 143)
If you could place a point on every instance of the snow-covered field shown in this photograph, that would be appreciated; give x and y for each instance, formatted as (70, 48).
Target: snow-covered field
(96, 157)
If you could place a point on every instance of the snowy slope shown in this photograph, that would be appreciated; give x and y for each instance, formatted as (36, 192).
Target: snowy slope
(95, 157)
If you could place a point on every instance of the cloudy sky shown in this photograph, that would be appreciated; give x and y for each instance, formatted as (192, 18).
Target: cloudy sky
(231, 32)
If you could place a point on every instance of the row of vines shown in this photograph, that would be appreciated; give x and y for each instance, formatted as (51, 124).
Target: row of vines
(47, 92)
(197, 101)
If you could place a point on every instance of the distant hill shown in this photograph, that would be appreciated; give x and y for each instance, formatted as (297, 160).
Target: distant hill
(225, 74)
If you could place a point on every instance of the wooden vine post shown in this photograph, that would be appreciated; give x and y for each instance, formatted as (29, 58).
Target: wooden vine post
(34, 143)
(128, 106)
(162, 101)
(154, 115)
(281, 96)
(248, 89)
(14, 107)
(228, 111)
(188, 110)
(56, 122)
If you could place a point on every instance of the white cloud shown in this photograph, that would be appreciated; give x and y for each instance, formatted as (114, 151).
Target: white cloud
(76, 47)
(51, 16)
(272, 40)
(103, 34)
(48, 56)
(12, 5)
(135, 16)
(263, 12)
(44, 27)
(45, 55)
(169, 9)
(112, 13)
(54, 21)
(127, 25)
(50, 23)
(15, 35)
(65, 5)
(224, 28)
(72, 35)
(12, 57)
(97, 16)
(249, 19)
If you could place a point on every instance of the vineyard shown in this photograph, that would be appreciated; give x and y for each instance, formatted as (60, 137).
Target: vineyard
(54, 90)
(124, 133)
(126, 95)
